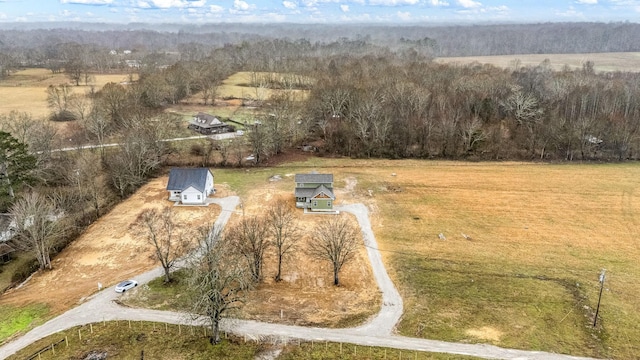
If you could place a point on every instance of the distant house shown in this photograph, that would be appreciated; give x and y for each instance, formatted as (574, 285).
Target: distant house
(208, 124)
(314, 192)
(133, 63)
(190, 186)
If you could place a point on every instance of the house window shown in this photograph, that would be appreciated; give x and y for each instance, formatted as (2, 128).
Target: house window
(199, 198)
(315, 203)
(329, 203)
(184, 197)
(301, 199)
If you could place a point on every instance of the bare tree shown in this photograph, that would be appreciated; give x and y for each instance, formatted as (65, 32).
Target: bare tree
(140, 154)
(59, 99)
(526, 111)
(283, 228)
(98, 124)
(37, 227)
(257, 136)
(86, 175)
(160, 230)
(80, 105)
(250, 240)
(335, 240)
(219, 282)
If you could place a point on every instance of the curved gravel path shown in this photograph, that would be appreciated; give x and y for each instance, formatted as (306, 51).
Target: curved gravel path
(376, 332)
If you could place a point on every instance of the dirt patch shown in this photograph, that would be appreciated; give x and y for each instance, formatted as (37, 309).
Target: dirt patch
(486, 333)
(106, 253)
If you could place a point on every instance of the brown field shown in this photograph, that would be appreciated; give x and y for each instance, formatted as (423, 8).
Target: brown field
(525, 272)
(603, 62)
(25, 90)
(236, 86)
(106, 252)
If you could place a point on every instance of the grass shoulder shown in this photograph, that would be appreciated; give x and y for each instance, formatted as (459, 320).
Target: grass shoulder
(134, 340)
(15, 320)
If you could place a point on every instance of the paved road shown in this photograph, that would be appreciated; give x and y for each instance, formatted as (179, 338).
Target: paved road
(214, 136)
(377, 332)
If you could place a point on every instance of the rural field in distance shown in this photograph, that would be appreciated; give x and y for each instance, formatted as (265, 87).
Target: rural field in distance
(603, 62)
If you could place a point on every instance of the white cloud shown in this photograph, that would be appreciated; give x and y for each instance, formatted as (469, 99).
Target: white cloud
(289, 5)
(87, 2)
(241, 5)
(406, 15)
(469, 4)
(438, 3)
(66, 13)
(570, 13)
(216, 9)
(393, 2)
(588, 2)
(168, 4)
(344, 8)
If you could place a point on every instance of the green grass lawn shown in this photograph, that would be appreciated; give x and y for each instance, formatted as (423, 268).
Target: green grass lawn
(160, 295)
(322, 350)
(132, 340)
(14, 319)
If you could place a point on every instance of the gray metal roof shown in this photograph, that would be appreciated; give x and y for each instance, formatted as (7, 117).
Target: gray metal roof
(311, 192)
(314, 178)
(205, 120)
(181, 178)
(304, 192)
(323, 189)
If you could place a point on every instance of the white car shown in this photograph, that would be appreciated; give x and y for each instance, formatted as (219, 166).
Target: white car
(126, 285)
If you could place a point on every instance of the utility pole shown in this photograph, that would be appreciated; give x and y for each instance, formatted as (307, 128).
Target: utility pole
(602, 277)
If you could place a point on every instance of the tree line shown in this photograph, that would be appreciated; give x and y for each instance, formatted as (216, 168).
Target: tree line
(376, 107)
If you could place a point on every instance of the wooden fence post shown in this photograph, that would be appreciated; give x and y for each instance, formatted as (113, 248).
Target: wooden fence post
(79, 335)
(91, 328)
(53, 349)
(66, 341)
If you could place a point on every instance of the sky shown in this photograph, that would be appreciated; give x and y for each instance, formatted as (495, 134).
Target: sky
(319, 11)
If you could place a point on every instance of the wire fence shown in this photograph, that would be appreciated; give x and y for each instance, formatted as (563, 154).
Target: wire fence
(70, 340)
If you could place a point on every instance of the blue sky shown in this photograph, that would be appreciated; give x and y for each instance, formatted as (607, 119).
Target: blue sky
(319, 11)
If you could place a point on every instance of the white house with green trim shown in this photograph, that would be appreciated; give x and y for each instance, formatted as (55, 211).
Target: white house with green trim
(314, 192)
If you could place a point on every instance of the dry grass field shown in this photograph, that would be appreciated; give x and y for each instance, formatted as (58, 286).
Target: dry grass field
(525, 272)
(237, 86)
(603, 62)
(106, 252)
(26, 90)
